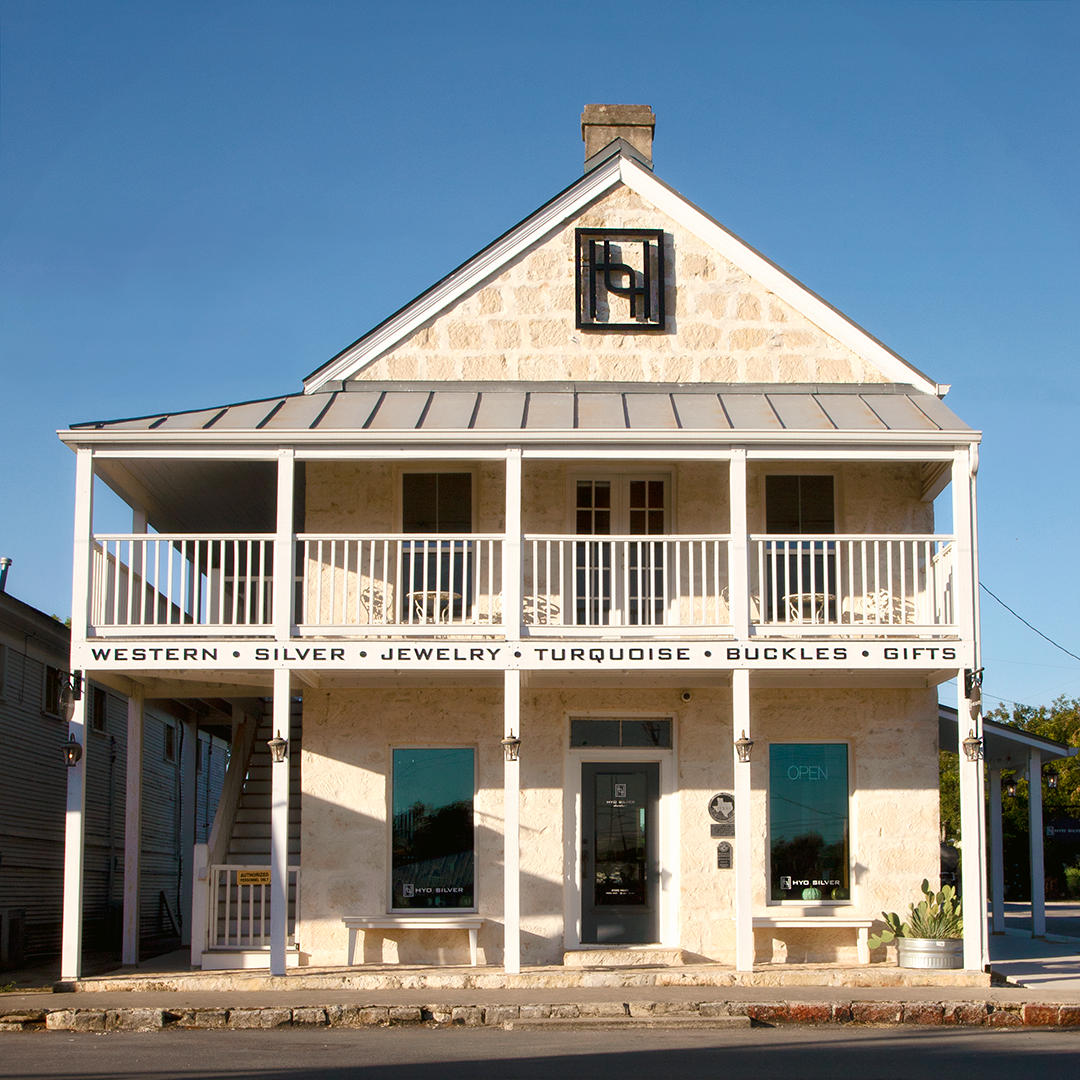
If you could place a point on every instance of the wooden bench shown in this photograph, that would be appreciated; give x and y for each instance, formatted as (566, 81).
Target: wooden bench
(412, 922)
(828, 922)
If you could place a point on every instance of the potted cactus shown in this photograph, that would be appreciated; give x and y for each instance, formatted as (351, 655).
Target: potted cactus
(932, 936)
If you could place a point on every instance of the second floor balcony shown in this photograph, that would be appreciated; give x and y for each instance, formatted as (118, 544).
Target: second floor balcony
(457, 585)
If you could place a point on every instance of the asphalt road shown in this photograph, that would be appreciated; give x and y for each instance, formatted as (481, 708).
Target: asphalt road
(485, 1054)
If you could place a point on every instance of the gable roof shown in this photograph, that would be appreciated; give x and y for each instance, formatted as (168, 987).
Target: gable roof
(619, 169)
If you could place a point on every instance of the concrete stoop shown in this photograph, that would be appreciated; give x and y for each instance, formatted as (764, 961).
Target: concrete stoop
(373, 978)
(625, 1015)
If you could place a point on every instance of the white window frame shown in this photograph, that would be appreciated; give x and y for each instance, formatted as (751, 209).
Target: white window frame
(434, 912)
(852, 830)
(668, 825)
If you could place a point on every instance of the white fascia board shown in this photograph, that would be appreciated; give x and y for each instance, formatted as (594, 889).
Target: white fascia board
(262, 445)
(791, 291)
(1025, 738)
(476, 270)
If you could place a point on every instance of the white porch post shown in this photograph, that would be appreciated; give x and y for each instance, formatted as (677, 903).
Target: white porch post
(997, 855)
(133, 824)
(744, 892)
(972, 801)
(738, 553)
(511, 837)
(513, 567)
(279, 828)
(1035, 839)
(973, 842)
(284, 549)
(188, 811)
(74, 820)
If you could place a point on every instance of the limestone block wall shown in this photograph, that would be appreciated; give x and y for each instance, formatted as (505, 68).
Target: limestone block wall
(893, 774)
(348, 736)
(722, 325)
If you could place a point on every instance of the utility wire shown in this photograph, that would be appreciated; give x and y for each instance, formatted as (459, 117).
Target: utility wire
(1028, 625)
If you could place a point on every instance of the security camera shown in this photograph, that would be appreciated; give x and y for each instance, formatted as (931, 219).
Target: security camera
(686, 695)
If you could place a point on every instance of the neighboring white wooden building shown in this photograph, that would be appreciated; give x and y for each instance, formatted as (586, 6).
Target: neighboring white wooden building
(619, 488)
(34, 663)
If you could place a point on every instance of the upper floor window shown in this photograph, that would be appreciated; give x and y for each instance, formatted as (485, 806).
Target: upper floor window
(97, 704)
(436, 502)
(799, 504)
(54, 683)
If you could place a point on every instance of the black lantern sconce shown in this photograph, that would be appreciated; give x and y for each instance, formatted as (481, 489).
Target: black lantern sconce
(72, 752)
(972, 746)
(278, 748)
(1050, 775)
(973, 689)
(70, 692)
(744, 747)
(511, 747)
(1010, 786)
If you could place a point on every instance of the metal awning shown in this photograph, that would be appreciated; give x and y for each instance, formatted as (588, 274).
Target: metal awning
(728, 409)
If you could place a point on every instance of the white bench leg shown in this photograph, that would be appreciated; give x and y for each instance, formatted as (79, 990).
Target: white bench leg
(864, 945)
(472, 945)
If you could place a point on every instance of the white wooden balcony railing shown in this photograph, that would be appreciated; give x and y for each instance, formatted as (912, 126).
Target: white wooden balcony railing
(634, 582)
(453, 584)
(239, 901)
(182, 583)
(399, 583)
(830, 583)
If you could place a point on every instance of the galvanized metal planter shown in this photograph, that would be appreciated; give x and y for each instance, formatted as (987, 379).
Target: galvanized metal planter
(930, 952)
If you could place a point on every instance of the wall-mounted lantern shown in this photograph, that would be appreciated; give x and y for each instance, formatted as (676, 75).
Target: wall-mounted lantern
(1050, 775)
(72, 752)
(972, 746)
(70, 692)
(511, 747)
(973, 690)
(744, 747)
(1010, 786)
(278, 748)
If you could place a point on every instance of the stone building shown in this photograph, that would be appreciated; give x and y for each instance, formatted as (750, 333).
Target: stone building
(598, 595)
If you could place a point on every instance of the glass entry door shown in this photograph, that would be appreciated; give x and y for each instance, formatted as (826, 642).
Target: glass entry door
(620, 872)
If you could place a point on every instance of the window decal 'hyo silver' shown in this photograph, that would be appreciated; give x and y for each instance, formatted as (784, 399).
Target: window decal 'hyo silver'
(620, 279)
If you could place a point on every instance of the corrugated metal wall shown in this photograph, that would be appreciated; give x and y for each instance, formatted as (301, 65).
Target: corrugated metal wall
(33, 783)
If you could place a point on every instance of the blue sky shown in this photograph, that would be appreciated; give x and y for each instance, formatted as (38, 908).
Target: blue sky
(203, 201)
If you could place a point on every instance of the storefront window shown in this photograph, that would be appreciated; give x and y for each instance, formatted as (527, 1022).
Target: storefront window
(432, 862)
(808, 821)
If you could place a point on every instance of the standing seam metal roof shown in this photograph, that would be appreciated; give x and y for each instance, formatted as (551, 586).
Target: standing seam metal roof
(546, 407)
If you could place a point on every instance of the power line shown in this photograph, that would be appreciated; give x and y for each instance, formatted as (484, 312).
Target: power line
(1028, 625)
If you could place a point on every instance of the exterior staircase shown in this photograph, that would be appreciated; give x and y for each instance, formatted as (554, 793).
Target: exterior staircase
(236, 896)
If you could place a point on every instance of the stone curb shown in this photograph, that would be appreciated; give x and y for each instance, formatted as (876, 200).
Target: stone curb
(921, 1013)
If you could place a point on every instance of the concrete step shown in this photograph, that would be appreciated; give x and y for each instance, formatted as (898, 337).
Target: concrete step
(624, 957)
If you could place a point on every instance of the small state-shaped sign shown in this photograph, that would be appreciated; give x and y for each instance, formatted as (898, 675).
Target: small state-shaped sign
(620, 279)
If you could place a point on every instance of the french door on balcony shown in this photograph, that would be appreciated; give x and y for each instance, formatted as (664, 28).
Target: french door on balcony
(620, 581)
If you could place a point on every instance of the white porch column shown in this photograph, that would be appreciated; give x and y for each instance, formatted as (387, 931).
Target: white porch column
(189, 802)
(744, 856)
(284, 548)
(1035, 839)
(74, 820)
(133, 824)
(738, 552)
(972, 877)
(513, 566)
(997, 856)
(279, 828)
(511, 836)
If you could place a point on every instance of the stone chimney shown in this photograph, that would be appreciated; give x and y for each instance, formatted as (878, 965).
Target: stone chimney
(628, 126)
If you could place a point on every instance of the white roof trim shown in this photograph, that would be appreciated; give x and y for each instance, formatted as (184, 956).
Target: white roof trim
(479, 268)
(616, 170)
(773, 278)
